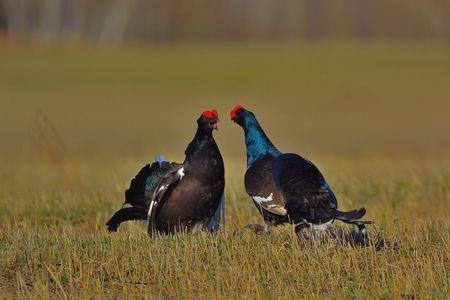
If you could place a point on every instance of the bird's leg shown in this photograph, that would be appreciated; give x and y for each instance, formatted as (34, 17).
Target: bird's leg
(199, 226)
(361, 226)
(363, 230)
(268, 227)
(300, 227)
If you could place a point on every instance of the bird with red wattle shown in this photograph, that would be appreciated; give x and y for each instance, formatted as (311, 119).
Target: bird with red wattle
(286, 187)
(176, 197)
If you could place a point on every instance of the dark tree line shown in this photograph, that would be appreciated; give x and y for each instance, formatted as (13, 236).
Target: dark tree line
(118, 20)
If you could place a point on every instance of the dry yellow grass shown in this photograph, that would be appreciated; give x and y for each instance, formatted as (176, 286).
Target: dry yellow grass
(382, 143)
(55, 243)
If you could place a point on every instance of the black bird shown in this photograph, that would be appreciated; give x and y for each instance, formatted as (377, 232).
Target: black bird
(176, 197)
(285, 187)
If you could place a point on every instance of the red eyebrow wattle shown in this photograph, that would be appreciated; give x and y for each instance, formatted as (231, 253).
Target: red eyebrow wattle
(234, 110)
(207, 114)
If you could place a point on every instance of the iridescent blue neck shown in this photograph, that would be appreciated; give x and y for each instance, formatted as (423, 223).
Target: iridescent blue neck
(257, 142)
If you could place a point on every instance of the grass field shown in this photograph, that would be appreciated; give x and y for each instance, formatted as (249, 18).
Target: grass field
(77, 123)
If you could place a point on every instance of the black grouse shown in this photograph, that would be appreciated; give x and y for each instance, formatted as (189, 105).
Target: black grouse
(176, 197)
(285, 187)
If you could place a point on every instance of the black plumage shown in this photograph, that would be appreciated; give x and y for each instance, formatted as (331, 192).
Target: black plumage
(285, 187)
(174, 197)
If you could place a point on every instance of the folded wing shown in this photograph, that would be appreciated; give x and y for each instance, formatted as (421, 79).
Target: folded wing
(304, 188)
(260, 185)
(163, 188)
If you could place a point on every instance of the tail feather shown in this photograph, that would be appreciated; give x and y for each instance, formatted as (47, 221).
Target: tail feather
(347, 216)
(352, 217)
(138, 195)
(125, 214)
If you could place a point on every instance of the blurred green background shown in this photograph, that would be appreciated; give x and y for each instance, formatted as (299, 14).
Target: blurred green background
(339, 98)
